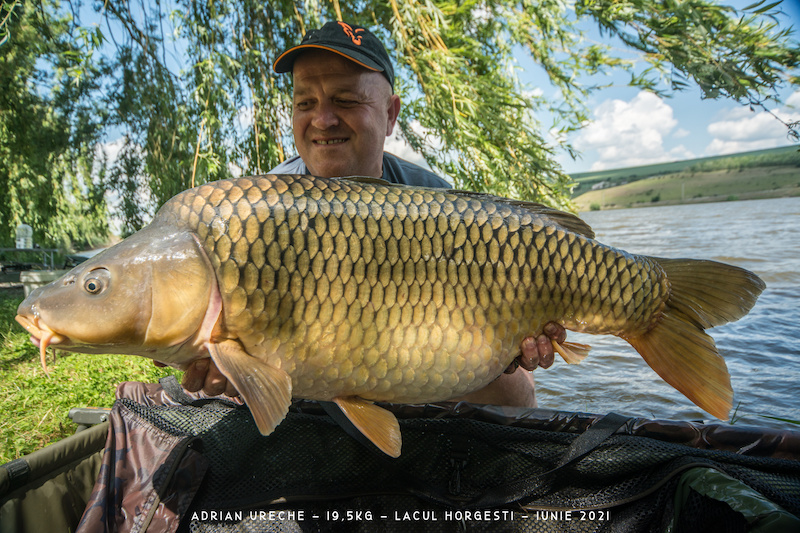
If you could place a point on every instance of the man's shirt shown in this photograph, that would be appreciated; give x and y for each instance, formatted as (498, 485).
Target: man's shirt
(395, 170)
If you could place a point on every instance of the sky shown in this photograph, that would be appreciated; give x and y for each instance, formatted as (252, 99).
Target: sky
(629, 127)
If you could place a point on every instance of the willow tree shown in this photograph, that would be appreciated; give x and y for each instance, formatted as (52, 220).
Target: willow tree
(191, 92)
(49, 126)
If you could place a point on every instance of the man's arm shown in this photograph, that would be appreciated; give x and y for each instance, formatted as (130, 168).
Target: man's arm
(516, 386)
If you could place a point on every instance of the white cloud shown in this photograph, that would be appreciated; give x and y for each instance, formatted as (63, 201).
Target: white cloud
(742, 130)
(794, 100)
(680, 133)
(396, 144)
(679, 153)
(630, 133)
(741, 124)
(721, 147)
(534, 93)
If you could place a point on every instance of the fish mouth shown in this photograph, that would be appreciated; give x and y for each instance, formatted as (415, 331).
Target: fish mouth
(41, 336)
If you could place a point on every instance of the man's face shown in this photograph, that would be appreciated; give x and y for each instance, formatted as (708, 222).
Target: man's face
(341, 116)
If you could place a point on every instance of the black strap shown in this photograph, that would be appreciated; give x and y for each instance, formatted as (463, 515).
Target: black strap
(591, 439)
(583, 444)
(16, 475)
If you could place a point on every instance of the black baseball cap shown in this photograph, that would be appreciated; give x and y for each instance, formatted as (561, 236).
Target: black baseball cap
(356, 43)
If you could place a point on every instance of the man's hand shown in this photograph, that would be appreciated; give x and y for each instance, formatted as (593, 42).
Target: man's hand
(535, 352)
(538, 352)
(204, 374)
(516, 387)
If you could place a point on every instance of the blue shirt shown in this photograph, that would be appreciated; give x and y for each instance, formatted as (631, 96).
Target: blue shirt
(395, 170)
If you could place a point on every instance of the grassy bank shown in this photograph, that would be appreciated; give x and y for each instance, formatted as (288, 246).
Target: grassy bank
(696, 187)
(35, 406)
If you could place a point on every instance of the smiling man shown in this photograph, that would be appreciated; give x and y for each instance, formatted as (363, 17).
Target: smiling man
(341, 115)
(344, 107)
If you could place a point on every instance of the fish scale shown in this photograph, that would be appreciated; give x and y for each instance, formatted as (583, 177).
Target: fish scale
(354, 290)
(340, 273)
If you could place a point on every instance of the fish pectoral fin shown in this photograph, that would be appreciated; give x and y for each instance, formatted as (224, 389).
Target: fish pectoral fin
(376, 423)
(267, 390)
(572, 352)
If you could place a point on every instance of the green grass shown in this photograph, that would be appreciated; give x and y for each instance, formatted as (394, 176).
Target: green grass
(35, 406)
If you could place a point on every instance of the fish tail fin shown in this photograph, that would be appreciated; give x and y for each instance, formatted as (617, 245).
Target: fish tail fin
(703, 294)
(710, 293)
(687, 358)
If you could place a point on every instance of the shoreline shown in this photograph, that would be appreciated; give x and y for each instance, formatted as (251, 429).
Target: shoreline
(741, 197)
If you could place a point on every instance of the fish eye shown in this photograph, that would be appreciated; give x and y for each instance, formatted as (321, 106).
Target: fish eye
(97, 281)
(93, 286)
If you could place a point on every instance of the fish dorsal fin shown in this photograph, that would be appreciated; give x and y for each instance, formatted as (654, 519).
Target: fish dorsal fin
(368, 180)
(565, 220)
(568, 221)
(267, 390)
(376, 423)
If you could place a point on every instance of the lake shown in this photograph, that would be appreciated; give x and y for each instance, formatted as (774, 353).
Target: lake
(762, 349)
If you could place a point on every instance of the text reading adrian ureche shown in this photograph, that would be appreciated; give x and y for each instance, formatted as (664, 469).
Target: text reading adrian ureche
(455, 515)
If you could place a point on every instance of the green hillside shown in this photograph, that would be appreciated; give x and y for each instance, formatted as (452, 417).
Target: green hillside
(760, 174)
(786, 155)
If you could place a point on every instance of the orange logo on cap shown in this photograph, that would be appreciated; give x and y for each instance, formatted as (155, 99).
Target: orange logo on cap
(348, 30)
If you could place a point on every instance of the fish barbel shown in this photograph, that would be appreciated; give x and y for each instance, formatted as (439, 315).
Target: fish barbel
(357, 290)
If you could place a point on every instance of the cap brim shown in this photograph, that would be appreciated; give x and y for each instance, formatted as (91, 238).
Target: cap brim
(285, 61)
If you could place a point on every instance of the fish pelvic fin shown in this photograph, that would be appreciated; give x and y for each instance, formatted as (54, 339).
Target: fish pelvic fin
(267, 390)
(703, 294)
(376, 423)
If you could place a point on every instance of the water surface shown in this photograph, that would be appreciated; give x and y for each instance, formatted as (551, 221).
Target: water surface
(762, 350)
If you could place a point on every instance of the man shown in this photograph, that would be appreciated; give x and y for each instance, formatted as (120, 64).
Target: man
(344, 107)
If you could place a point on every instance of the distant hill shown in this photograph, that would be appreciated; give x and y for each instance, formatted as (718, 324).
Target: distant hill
(784, 156)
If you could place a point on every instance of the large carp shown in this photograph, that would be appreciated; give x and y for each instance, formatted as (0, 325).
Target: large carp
(356, 290)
